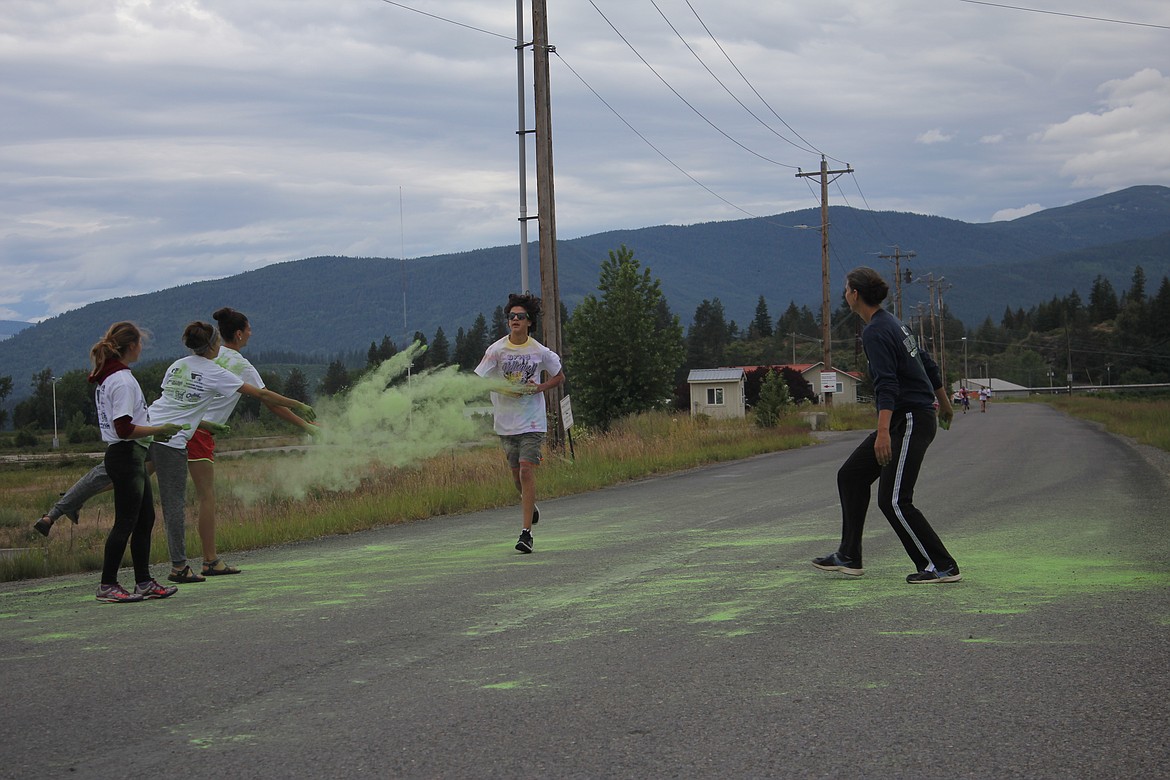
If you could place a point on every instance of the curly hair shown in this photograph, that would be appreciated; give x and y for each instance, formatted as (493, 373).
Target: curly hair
(529, 301)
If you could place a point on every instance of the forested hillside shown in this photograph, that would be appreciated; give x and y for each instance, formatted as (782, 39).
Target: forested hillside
(326, 308)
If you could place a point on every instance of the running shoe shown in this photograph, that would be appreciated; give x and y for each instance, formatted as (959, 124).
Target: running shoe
(926, 577)
(116, 594)
(836, 562)
(524, 545)
(535, 514)
(152, 590)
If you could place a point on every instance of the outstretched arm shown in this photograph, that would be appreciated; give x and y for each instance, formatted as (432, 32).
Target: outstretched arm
(269, 398)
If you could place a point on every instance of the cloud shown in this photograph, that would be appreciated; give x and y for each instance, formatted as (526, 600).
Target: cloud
(1004, 215)
(150, 144)
(1126, 138)
(935, 136)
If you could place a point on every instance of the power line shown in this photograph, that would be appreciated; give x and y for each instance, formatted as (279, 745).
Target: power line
(806, 148)
(683, 99)
(1074, 16)
(752, 87)
(647, 141)
(448, 21)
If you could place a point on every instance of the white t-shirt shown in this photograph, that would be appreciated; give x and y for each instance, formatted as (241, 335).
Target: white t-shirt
(521, 365)
(222, 407)
(188, 388)
(120, 396)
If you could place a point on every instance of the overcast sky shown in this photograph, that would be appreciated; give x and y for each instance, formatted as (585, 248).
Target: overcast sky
(150, 143)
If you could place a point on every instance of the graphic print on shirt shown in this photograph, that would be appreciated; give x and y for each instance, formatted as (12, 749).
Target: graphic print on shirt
(910, 342)
(519, 369)
(184, 386)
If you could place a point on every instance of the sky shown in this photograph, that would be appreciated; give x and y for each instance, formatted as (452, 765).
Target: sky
(146, 144)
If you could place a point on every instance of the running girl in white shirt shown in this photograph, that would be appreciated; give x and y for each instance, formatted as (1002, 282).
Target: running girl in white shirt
(122, 419)
(189, 387)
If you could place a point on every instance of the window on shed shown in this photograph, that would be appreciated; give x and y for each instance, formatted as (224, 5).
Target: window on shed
(714, 396)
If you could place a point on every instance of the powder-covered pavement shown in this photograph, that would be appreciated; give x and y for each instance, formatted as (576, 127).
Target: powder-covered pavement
(667, 628)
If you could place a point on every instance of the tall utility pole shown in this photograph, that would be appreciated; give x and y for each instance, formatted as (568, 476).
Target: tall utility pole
(546, 210)
(897, 258)
(826, 311)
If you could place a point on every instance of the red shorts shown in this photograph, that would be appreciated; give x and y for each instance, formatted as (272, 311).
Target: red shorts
(201, 446)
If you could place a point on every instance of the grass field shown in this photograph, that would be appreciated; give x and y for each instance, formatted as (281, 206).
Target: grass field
(460, 480)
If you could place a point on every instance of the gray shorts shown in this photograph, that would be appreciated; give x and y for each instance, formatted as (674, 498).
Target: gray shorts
(523, 447)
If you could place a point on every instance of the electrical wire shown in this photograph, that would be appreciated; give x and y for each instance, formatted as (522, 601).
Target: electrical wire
(449, 21)
(1073, 16)
(806, 148)
(686, 102)
(647, 141)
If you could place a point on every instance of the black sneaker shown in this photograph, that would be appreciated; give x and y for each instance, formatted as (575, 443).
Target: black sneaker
(946, 575)
(836, 562)
(535, 514)
(524, 545)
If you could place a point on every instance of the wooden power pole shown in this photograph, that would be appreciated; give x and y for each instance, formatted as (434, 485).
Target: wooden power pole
(546, 208)
(897, 258)
(826, 312)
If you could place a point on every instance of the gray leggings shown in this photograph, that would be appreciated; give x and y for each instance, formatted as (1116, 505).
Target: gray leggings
(95, 481)
(170, 467)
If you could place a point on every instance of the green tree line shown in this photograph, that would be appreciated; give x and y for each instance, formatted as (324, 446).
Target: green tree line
(626, 352)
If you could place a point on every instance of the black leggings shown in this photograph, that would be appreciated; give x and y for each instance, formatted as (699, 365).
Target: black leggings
(133, 511)
(910, 435)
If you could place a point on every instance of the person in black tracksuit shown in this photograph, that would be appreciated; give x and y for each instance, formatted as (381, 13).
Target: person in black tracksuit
(906, 384)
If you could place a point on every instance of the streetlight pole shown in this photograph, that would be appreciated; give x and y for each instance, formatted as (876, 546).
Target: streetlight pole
(964, 382)
(56, 441)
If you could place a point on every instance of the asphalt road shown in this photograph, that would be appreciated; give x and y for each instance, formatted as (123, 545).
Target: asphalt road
(671, 627)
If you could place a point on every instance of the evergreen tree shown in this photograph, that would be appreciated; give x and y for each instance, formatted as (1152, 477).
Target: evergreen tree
(423, 361)
(761, 327)
(296, 386)
(1103, 305)
(624, 347)
(500, 324)
(475, 343)
(336, 379)
(708, 336)
(1159, 314)
(5, 389)
(459, 355)
(440, 351)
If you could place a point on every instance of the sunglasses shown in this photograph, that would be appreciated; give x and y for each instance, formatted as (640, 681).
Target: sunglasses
(517, 315)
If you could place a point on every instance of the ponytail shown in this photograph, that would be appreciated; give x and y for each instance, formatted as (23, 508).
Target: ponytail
(118, 339)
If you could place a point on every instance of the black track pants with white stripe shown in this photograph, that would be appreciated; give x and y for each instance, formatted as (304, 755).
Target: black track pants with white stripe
(910, 435)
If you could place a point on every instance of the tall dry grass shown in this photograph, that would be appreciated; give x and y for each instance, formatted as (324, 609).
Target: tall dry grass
(1147, 420)
(460, 480)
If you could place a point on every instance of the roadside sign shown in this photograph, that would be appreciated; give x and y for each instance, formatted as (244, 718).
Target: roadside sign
(566, 413)
(828, 381)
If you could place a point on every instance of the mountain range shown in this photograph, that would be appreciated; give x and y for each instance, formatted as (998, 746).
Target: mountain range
(326, 306)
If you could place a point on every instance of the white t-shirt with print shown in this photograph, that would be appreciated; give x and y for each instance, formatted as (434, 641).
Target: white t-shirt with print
(520, 364)
(222, 407)
(120, 395)
(188, 388)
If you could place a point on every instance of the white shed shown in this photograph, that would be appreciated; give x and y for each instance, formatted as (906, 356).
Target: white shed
(717, 392)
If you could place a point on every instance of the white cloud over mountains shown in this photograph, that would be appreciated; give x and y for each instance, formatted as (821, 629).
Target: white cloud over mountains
(150, 143)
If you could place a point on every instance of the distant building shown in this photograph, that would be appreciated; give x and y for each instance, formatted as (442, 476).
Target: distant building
(717, 392)
(844, 383)
(998, 387)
